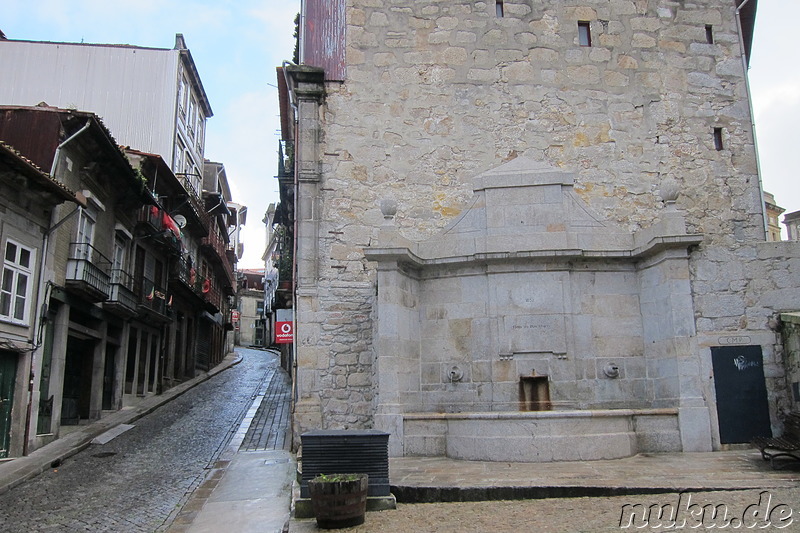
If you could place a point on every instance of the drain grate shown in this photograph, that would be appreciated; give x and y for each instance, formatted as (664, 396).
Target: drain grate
(276, 461)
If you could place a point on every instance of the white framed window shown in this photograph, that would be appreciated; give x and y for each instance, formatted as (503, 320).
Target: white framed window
(85, 236)
(184, 95)
(192, 118)
(200, 132)
(118, 263)
(181, 90)
(16, 283)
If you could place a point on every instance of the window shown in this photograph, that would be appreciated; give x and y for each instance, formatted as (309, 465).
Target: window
(85, 237)
(181, 92)
(200, 132)
(499, 8)
(185, 94)
(180, 152)
(118, 264)
(718, 139)
(709, 34)
(584, 34)
(188, 166)
(15, 289)
(192, 115)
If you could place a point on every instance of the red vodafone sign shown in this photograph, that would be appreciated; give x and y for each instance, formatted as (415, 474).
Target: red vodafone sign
(284, 332)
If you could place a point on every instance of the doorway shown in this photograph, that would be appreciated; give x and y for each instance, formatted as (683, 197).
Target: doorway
(741, 392)
(109, 372)
(77, 381)
(8, 372)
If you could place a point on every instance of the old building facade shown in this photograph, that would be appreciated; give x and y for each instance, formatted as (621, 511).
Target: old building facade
(135, 291)
(509, 206)
(28, 197)
(78, 366)
(151, 98)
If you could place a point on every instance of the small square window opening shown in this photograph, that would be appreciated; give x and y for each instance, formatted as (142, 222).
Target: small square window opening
(718, 139)
(584, 34)
(499, 8)
(709, 34)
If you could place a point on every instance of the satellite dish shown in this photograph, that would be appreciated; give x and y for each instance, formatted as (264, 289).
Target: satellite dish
(180, 220)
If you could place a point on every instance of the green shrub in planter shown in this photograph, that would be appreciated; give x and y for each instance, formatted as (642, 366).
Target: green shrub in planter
(339, 500)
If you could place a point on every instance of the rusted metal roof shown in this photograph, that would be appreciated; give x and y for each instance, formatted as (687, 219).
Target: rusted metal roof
(26, 167)
(36, 131)
(748, 18)
(323, 37)
(287, 129)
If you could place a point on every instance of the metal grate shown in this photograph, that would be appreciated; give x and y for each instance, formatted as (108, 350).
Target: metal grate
(346, 452)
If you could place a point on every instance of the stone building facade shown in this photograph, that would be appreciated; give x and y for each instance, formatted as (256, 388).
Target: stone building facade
(493, 196)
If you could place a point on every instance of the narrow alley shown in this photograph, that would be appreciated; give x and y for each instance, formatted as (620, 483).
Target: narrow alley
(141, 480)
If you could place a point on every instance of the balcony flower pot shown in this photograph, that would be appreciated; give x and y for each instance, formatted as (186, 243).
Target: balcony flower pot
(339, 500)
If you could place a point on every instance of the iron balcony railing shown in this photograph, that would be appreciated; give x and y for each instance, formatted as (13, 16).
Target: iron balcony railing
(208, 290)
(152, 297)
(150, 215)
(156, 218)
(182, 271)
(87, 271)
(212, 296)
(122, 289)
(218, 245)
(194, 198)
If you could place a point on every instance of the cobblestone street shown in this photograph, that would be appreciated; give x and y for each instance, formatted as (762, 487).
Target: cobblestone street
(138, 481)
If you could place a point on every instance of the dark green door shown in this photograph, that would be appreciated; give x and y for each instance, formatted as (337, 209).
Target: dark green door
(8, 371)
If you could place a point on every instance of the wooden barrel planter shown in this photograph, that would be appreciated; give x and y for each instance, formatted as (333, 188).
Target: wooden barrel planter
(339, 500)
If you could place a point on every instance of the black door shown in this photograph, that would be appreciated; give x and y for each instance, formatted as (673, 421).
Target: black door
(77, 381)
(8, 371)
(108, 377)
(741, 393)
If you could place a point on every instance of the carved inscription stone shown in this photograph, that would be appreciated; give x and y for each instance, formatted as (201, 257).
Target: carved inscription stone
(535, 333)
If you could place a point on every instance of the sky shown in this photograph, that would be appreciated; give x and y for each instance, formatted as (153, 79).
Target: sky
(236, 45)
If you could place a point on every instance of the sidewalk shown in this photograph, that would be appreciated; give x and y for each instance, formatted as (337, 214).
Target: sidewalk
(20, 469)
(249, 489)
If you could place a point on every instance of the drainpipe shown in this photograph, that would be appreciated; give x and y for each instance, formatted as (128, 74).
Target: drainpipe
(293, 104)
(38, 319)
(752, 116)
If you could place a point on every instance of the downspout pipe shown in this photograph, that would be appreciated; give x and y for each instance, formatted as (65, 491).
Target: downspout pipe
(745, 68)
(39, 317)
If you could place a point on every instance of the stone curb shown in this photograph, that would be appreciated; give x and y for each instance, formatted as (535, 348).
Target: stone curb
(20, 469)
(409, 495)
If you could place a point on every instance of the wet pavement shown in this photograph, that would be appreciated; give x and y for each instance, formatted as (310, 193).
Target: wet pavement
(216, 458)
(139, 480)
(249, 488)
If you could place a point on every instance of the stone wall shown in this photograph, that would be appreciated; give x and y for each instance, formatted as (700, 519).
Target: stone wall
(437, 93)
(791, 354)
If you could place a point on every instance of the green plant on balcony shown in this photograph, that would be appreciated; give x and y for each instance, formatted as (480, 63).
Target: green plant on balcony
(141, 180)
(283, 259)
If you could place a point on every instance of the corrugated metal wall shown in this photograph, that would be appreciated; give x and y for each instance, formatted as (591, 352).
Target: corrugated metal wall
(324, 29)
(131, 89)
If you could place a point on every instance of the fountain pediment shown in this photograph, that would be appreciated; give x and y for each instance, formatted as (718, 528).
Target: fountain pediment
(530, 209)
